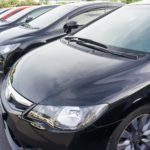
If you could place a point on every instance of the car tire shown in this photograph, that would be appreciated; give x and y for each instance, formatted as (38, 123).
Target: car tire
(131, 133)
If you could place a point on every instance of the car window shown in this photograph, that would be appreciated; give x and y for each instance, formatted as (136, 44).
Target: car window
(18, 15)
(52, 16)
(126, 28)
(34, 14)
(86, 17)
(29, 12)
(82, 18)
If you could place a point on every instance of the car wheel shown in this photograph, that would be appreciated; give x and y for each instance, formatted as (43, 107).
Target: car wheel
(133, 133)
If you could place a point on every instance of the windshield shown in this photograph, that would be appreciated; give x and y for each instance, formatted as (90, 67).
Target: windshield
(33, 10)
(126, 28)
(19, 15)
(51, 16)
(7, 12)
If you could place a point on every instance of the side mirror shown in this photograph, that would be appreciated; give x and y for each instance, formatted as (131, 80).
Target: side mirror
(28, 19)
(70, 25)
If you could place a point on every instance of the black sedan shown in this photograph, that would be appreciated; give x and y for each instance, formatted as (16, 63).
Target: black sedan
(52, 25)
(85, 91)
(24, 16)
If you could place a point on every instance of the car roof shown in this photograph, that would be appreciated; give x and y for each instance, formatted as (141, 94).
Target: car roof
(22, 7)
(41, 6)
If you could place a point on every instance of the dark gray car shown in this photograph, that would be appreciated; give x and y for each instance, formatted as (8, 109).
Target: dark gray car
(23, 16)
(49, 27)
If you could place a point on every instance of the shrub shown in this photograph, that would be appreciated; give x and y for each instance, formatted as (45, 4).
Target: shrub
(11, 3)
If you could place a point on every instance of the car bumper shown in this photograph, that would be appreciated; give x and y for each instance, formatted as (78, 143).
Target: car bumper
(21, 133)
(11, 141)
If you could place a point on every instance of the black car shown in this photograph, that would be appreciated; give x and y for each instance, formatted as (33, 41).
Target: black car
(88, 91)
(48, 27)
(24, 16)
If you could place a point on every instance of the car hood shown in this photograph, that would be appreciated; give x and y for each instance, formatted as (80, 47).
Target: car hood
(15, 35)
(58, 74)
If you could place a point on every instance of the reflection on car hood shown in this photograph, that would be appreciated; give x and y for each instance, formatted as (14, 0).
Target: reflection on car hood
(58, 74)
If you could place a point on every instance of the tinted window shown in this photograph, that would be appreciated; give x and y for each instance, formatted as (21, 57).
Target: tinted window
(31, 12)
(37, 13)
(127, 28)
(18, 15)
(52, 16)
(88, 16)
(82, 18)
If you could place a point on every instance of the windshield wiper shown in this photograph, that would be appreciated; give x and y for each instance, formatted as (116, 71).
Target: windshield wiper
(77, 39)
(99, 47)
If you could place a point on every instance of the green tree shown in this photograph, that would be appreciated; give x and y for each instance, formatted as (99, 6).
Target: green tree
(46, 2)
(13, 2)
(4, 3)
(30, 2)
(126, 1)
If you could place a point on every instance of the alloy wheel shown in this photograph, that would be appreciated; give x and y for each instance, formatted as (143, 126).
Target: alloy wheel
(136, 136)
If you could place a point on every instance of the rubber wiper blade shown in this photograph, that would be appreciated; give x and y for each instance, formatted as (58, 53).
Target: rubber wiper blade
(86, 41)
(100, 47)
(120, 54)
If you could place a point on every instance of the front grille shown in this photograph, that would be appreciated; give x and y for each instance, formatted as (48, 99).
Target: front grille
(17, 105)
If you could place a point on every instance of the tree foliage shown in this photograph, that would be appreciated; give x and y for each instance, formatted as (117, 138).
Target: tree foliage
(126, 1)
(11, 3)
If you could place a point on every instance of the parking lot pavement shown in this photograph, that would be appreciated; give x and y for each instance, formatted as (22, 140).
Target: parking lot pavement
(4, 145)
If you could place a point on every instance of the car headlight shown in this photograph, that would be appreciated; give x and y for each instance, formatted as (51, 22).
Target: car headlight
(8, 48)
(67, 117)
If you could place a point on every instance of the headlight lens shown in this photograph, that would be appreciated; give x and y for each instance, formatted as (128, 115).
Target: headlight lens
(8, 48)
(67, 117)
